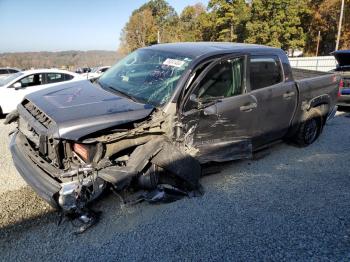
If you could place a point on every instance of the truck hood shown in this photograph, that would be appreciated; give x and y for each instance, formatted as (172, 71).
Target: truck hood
(82, 108)
(343, 59)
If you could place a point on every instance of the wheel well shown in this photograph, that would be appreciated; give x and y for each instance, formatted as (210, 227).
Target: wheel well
(324, 109)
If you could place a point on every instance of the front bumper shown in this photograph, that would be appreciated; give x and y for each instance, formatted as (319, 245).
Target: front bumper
(44, 185)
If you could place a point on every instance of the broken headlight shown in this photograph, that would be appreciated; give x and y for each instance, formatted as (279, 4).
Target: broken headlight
(85, 152)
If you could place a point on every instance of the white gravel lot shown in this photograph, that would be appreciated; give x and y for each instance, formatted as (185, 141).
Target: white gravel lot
(9, 178)
(293, 204)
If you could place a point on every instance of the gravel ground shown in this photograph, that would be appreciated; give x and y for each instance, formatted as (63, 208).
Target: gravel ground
(9, 179)
(293, 204)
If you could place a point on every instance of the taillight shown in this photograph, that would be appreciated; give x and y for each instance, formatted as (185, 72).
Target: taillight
(341, 86)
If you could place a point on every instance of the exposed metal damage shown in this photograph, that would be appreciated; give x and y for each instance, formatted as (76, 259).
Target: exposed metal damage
(145, 158)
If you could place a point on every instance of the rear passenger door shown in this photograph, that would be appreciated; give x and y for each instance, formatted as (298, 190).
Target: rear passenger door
(276, 97)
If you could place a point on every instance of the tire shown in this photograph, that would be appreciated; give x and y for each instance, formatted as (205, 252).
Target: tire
(310, 128)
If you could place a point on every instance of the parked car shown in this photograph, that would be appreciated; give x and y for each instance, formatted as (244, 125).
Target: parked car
(157, 115)
(83, 70)
(343, 68)
(14, 87)
(6, 71)
(96, 72)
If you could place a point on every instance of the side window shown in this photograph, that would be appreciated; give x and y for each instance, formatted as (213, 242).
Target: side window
(54, 78)
(12, 71)
(31, 80)
(3, 71)
(264, 71)
(223, 80)
(104, 70)
(68, 77)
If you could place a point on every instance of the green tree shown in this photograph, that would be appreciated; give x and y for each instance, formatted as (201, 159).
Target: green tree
(191, 23)
(230, 17)
(324, 18)
(154, 21)
(140, 31)
(277, 23)
(166, 19)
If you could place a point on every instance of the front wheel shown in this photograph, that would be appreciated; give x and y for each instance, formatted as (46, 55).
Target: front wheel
(310, 128)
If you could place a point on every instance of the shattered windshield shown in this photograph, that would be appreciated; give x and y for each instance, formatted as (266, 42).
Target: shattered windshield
(148, 76)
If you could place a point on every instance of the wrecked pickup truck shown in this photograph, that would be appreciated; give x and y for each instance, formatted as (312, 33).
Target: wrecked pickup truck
(161, 112)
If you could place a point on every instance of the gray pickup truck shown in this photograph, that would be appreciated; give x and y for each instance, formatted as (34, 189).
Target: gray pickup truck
(161, 112)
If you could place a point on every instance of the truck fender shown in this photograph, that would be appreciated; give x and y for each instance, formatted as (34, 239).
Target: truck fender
(319, 101)
(160, 152)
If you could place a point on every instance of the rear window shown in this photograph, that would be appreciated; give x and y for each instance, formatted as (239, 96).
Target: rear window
(54, 78)
(265, 71)
(68, 77)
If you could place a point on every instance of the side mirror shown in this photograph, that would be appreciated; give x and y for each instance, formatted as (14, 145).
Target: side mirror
(17, 85)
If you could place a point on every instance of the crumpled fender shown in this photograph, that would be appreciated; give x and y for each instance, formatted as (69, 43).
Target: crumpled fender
(178, 163)
(161, 152)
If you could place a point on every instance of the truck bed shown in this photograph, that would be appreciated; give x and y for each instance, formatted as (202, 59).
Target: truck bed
(300, 74)
(315, 88)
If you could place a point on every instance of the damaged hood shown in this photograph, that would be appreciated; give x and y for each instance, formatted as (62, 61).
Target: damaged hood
(82, 108)
(343, 59)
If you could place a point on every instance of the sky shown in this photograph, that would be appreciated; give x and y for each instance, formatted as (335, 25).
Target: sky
(57, 25)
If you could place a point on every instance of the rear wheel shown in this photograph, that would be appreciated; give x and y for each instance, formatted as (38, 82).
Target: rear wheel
(310, 128)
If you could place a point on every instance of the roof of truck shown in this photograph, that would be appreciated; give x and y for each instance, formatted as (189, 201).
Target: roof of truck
(196, 49)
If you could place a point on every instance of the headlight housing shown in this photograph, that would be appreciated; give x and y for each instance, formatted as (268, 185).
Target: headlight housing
(85, 152)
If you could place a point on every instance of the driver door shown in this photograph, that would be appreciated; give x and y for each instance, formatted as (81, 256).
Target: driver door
(219, 116)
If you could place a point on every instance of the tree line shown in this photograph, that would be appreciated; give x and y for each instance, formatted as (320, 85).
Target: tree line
(65, 59)
(287, 24)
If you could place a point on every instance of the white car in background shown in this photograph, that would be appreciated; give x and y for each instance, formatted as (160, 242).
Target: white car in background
(14, 87)
(6, 71)
(96, 72)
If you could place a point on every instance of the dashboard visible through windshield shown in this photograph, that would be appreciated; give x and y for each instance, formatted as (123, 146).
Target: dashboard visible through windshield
(146, 75)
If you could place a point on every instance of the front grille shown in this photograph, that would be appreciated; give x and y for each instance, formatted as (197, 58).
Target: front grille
(38, 135)
(37, 114)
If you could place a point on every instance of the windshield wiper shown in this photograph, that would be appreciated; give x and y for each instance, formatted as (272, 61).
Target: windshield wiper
(114, 90)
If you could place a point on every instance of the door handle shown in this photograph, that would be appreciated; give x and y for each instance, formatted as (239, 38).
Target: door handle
(249, 107)
(288, 95)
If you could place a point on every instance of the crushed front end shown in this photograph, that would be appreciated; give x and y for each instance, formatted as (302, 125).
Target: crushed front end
(69, 174)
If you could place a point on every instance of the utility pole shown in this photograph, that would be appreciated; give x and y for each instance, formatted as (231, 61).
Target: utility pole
(318, 42)
(340, 23)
